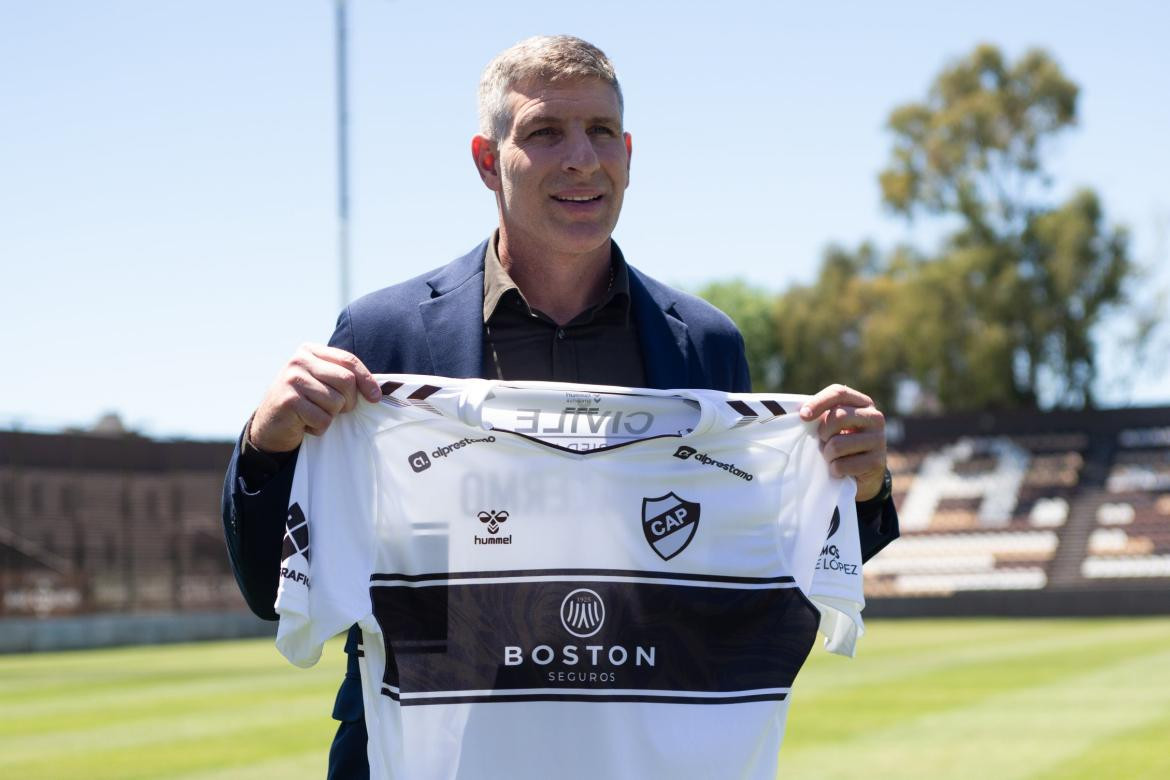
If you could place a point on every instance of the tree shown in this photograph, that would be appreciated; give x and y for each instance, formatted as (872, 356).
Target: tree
(752, 310)
(974, 147)
(1004, 313)
(1034, 279)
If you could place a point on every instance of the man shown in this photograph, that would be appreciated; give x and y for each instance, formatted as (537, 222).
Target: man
(548, 297)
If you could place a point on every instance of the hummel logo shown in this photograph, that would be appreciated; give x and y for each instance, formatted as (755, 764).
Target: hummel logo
(493, 520)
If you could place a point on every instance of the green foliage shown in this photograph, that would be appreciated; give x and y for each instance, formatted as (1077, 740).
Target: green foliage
(973, 147)
(1024, 283)
(752, 310)
(1003, 314)
(826, 332)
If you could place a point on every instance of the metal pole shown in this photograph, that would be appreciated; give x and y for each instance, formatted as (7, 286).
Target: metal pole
(342, 152)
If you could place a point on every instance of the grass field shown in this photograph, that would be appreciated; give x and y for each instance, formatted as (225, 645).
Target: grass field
(1039, 699)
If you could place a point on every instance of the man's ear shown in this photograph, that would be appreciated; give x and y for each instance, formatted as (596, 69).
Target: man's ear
(629, 154)
(483, 151)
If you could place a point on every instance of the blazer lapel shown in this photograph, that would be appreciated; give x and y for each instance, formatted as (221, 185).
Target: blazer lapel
(453, 317)
(665, 341)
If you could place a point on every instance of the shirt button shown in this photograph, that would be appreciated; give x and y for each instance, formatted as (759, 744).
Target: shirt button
(561, 334)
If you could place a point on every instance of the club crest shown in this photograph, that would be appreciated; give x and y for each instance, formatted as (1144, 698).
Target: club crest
(669, 523)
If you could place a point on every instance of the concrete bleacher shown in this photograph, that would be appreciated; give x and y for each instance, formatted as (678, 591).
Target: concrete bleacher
(1132, 537)
(1059, 513)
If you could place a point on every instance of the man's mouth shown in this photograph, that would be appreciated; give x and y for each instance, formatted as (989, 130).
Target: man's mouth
(576, 198)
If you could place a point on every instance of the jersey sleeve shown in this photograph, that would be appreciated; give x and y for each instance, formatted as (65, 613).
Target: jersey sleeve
(837, 588)
(823, 549)
(329, 536)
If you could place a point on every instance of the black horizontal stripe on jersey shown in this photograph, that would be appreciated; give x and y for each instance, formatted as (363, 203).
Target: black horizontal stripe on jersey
(553, 573)
(585, 697)
(655, 637)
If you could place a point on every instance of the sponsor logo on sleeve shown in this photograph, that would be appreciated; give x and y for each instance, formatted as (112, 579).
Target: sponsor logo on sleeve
(834, 524)
(830, 559)
(296, 542)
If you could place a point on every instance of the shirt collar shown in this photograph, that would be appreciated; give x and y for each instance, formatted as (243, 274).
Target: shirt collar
(497, 283)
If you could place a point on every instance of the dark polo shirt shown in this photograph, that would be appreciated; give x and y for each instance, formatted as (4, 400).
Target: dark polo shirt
(599, 346)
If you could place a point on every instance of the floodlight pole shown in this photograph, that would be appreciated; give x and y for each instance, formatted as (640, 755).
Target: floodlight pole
(340, 26)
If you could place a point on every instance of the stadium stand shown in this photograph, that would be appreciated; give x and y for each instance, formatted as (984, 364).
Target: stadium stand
(1132, 537)
(1059, 513)
(1031, 514)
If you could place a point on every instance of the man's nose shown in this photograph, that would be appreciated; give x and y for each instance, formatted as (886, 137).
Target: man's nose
(580, 155)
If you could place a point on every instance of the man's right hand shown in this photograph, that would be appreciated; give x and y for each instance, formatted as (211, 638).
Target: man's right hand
(316, 385)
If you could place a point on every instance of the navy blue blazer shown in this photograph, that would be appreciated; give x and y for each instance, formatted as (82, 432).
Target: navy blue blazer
(433, 324)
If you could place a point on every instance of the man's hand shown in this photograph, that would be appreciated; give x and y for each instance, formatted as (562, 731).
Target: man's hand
(853, 436)
(316, 385)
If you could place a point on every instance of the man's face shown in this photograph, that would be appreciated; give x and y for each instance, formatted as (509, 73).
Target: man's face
(563, 167)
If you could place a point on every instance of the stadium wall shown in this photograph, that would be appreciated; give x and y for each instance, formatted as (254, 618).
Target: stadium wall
(28, 635)
(1043, 603)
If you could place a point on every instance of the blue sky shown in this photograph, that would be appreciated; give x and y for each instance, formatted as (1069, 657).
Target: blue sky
(167, 179)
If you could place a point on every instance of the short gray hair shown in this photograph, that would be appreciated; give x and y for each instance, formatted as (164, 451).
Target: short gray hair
(549, 58)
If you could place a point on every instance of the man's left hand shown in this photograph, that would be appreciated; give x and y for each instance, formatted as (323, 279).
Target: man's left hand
(853, 436)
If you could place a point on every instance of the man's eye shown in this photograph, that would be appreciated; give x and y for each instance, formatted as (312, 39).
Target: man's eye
(546, 131)
(602, 130)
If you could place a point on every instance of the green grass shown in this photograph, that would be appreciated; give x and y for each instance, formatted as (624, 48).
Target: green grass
(1039, 699)
(987, 699)
(208, 710)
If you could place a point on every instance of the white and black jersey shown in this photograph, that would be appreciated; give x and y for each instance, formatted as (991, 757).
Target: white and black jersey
(570, 581)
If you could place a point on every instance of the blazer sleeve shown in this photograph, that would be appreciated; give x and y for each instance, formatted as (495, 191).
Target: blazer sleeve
(877, 526)
(254, 515)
